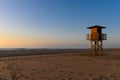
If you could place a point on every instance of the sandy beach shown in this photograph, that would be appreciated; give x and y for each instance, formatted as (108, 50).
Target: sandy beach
(67, 64)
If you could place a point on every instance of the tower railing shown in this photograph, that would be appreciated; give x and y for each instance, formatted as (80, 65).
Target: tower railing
(96, 37)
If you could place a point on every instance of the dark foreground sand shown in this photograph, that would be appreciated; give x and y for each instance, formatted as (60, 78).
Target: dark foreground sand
(59, 65)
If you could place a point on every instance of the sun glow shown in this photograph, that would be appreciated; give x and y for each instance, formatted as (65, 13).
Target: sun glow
(21, 41)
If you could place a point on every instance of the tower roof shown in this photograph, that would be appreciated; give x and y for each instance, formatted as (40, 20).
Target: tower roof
(96, 26)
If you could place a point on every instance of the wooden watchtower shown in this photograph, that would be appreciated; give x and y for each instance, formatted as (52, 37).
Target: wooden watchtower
(96, 37)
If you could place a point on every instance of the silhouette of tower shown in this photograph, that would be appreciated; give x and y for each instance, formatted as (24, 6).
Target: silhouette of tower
(96, 39)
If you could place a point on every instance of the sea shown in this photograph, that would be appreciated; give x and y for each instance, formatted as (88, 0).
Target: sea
(1, 49)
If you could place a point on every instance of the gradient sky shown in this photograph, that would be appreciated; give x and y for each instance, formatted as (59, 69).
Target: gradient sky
(57, 23)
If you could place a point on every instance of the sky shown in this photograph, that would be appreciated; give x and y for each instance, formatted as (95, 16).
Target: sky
(57, 23)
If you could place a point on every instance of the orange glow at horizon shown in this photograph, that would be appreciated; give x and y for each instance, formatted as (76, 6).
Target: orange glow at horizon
(9, 41)
(21, 41)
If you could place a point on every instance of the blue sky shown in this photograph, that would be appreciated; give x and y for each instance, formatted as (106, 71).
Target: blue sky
(57, 23)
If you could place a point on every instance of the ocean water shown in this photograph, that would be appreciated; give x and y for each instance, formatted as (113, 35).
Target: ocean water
(1, 49)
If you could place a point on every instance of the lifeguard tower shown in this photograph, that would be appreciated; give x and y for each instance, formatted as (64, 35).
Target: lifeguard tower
(96, 38)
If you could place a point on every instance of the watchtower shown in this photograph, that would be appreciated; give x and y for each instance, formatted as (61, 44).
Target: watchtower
(96, 37)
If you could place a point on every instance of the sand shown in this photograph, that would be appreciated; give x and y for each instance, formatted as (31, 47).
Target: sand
(59, 65)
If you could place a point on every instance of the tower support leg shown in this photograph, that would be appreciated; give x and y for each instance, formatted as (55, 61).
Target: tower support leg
(96, 48)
